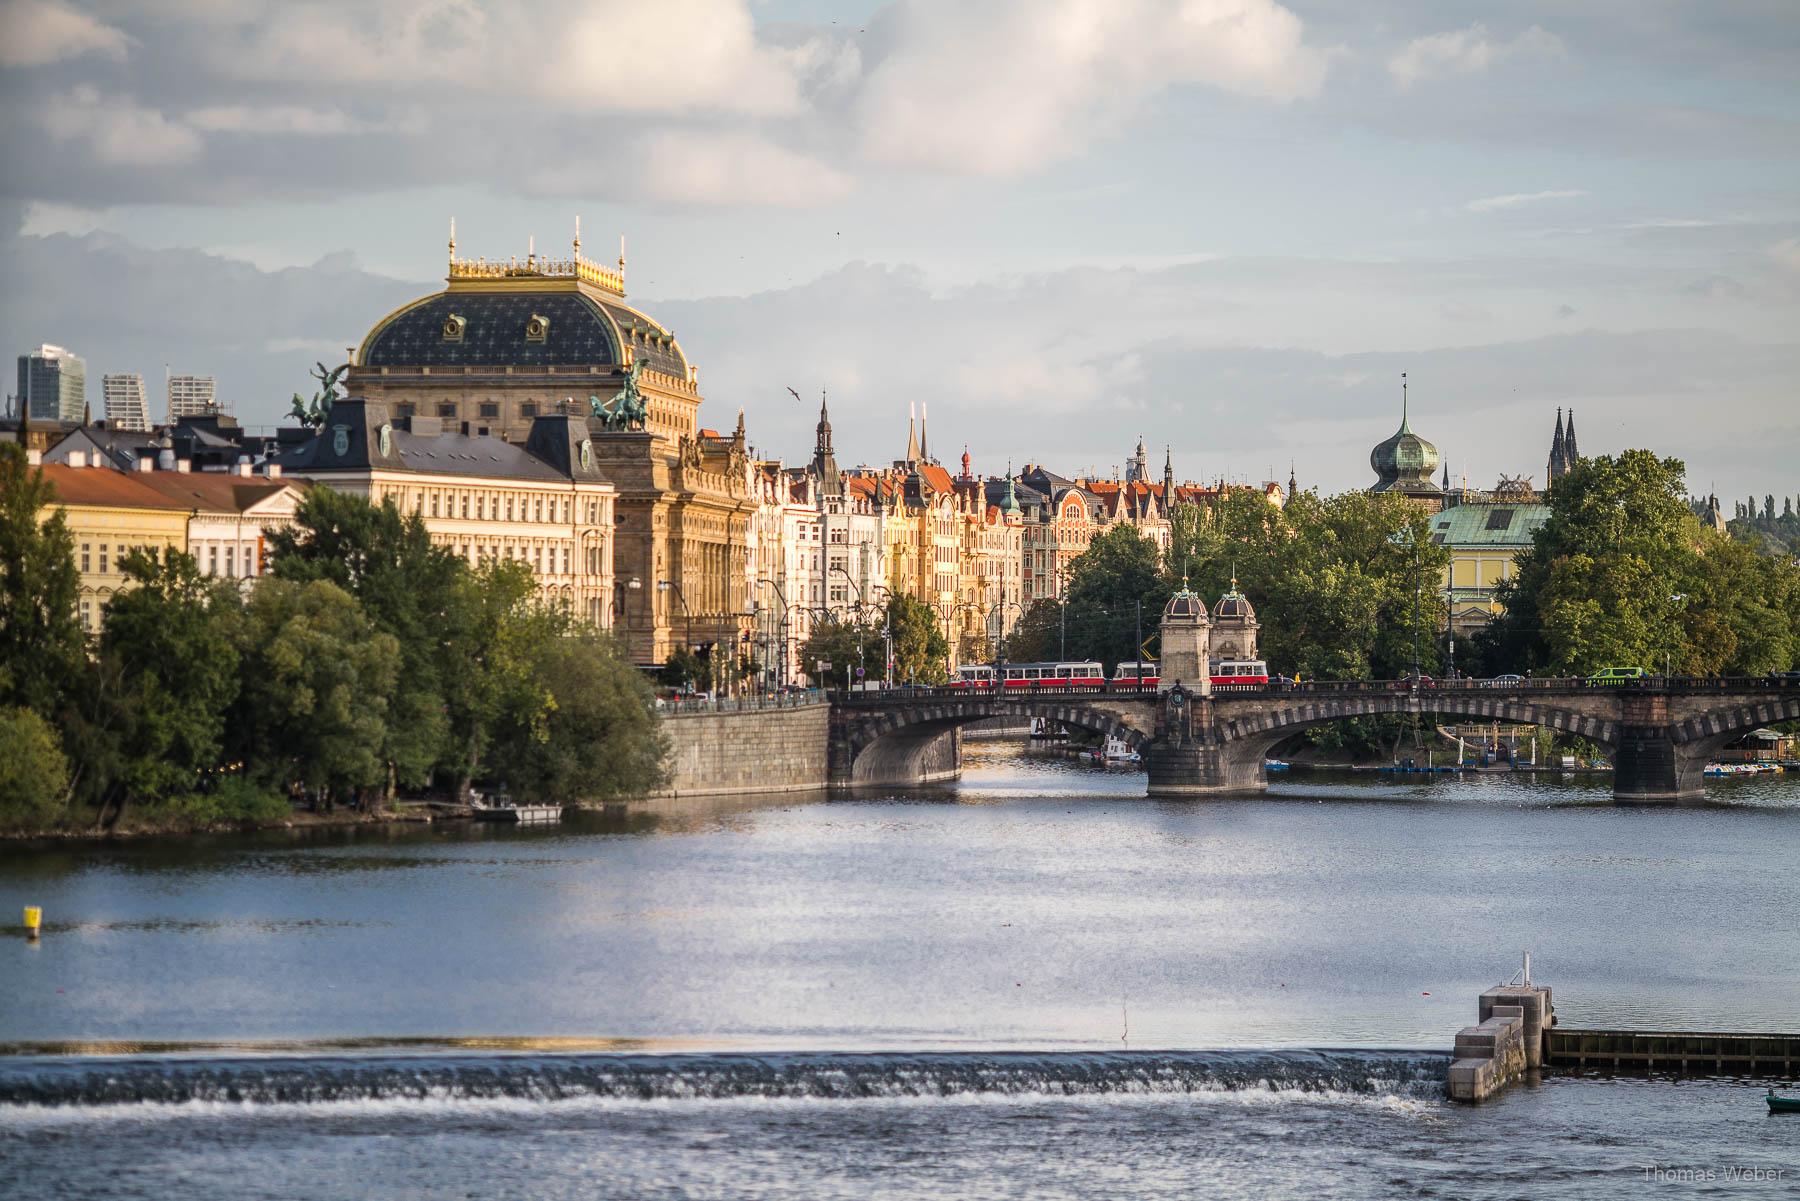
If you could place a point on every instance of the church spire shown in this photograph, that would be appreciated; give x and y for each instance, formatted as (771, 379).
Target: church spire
(1293, 482)
(912, 439)
(1569, 452)
(1559, 456)
(924, 418)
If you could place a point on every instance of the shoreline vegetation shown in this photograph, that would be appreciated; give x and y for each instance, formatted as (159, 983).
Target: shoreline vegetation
(370, 666)
(367, 665)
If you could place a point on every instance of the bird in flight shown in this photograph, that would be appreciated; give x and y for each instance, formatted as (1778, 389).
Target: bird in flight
(795, 395)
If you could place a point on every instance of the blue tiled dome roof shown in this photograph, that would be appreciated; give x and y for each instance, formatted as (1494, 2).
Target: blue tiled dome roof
(457, 329)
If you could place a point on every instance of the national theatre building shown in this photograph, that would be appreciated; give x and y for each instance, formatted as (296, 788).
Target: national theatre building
(507, 343)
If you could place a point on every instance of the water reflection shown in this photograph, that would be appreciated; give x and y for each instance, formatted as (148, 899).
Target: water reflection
(1035, 902)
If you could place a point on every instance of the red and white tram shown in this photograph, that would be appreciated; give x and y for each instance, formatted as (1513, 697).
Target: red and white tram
(974, 675)
(1141, 675)
(1238, 671)
(1055, 675)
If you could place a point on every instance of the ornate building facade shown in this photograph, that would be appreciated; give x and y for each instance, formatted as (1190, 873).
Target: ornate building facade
(509, 342)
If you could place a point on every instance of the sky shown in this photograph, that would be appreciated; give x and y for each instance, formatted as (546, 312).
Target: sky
(1057, 226)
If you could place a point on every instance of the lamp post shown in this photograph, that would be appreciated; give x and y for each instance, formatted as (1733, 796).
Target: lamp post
(619, 589)
(665, 586)
(1404, 537)
(781, 632)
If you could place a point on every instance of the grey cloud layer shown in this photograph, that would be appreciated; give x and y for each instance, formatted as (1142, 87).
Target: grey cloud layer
(1066, 368)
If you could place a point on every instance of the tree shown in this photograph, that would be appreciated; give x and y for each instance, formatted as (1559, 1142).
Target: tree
(683, 669)
(34, 775)
(404, 584)
(1037, 636)
(1105, 596)
(317, 677)
(42, 655)
(170, 659)
(921, 651)
(1622, 574)
(600, 737)
(496, 637)
(846, 645)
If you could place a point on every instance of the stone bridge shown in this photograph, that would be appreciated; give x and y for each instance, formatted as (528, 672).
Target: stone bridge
(1660, 733)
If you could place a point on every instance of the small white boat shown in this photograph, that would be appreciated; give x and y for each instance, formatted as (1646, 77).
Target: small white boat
(501, 808)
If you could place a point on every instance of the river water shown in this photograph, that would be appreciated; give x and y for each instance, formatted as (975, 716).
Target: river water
(1035, 983)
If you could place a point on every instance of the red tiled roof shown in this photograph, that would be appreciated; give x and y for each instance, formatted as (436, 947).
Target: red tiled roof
(212, 490)
(104, 486)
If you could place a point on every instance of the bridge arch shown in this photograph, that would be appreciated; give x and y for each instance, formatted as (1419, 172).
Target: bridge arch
(1260, 730)
(906, 742)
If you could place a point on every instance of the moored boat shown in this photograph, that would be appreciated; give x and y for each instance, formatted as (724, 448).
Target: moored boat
(1782, 1104)
(501, 808)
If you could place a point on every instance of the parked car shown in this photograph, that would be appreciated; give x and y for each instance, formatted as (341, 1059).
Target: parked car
(1509, 680)
(1618, 675)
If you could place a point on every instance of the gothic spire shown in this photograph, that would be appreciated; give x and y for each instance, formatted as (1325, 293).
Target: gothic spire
(1569, 452)
(912, 440)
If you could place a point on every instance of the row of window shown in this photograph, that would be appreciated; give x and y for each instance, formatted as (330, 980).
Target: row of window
(110, 554)
(489, 506)
(541, 559)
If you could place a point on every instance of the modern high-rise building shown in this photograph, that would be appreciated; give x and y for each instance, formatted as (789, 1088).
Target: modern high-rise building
(53, 384)
(127, 407)
(191, 396)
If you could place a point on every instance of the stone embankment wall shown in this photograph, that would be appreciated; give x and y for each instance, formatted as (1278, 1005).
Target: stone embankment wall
(712, 753)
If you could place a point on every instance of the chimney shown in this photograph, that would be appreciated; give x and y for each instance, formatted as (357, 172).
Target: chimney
(242, 466)
(272, 470)
(34, 458)
(146, 463)
(184, 465)
(78, 458)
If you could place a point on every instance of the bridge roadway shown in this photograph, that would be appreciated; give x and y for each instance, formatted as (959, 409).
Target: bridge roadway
(1660, 732)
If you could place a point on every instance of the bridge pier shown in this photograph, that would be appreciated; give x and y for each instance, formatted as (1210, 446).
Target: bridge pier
(1650, 769)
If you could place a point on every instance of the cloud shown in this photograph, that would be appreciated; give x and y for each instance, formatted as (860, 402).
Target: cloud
(117, 132)
(1466, 52)
(36, 32)
(1489, 203)
(674, 56)
(1786, 254)
(1009, 86)
(714, 169)
(278, 119)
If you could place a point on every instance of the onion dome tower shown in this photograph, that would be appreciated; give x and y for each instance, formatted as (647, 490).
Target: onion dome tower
(1185, 631)
(1405, 462)
(1234, 625)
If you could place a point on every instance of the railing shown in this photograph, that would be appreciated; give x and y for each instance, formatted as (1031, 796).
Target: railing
(743, 704)
(1575, 685)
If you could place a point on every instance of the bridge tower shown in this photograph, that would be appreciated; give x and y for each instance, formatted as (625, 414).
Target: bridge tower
(1186, 644)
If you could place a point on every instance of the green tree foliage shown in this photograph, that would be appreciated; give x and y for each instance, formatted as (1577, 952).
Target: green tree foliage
(41, 644)
(1037, 637)
(317, 677)
(921, 651)
(1622, 574)
(169, 659)
(497, 634)
(600, 739)
(406, 586)
(685, 669)
(1113, 588)
(1334, 580)
(846, 645)
(34, 775)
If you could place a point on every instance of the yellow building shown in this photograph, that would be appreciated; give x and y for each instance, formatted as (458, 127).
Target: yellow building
(1483, 532)
(544, 504)
(507, 344)
(108, 514)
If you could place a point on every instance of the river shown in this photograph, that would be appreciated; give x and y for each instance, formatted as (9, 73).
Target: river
(1036, 982)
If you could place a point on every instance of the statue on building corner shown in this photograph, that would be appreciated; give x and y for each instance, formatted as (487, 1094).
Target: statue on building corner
(629, 409)
(318, 411)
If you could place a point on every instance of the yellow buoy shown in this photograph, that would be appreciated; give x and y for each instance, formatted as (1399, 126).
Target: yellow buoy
(34, 917)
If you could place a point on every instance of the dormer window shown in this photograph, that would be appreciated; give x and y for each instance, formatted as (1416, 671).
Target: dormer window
(454, 327)
(537, 329)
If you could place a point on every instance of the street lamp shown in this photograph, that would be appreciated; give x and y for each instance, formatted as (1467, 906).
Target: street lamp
(666, 585)
(1404, 537)
(619, 588)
